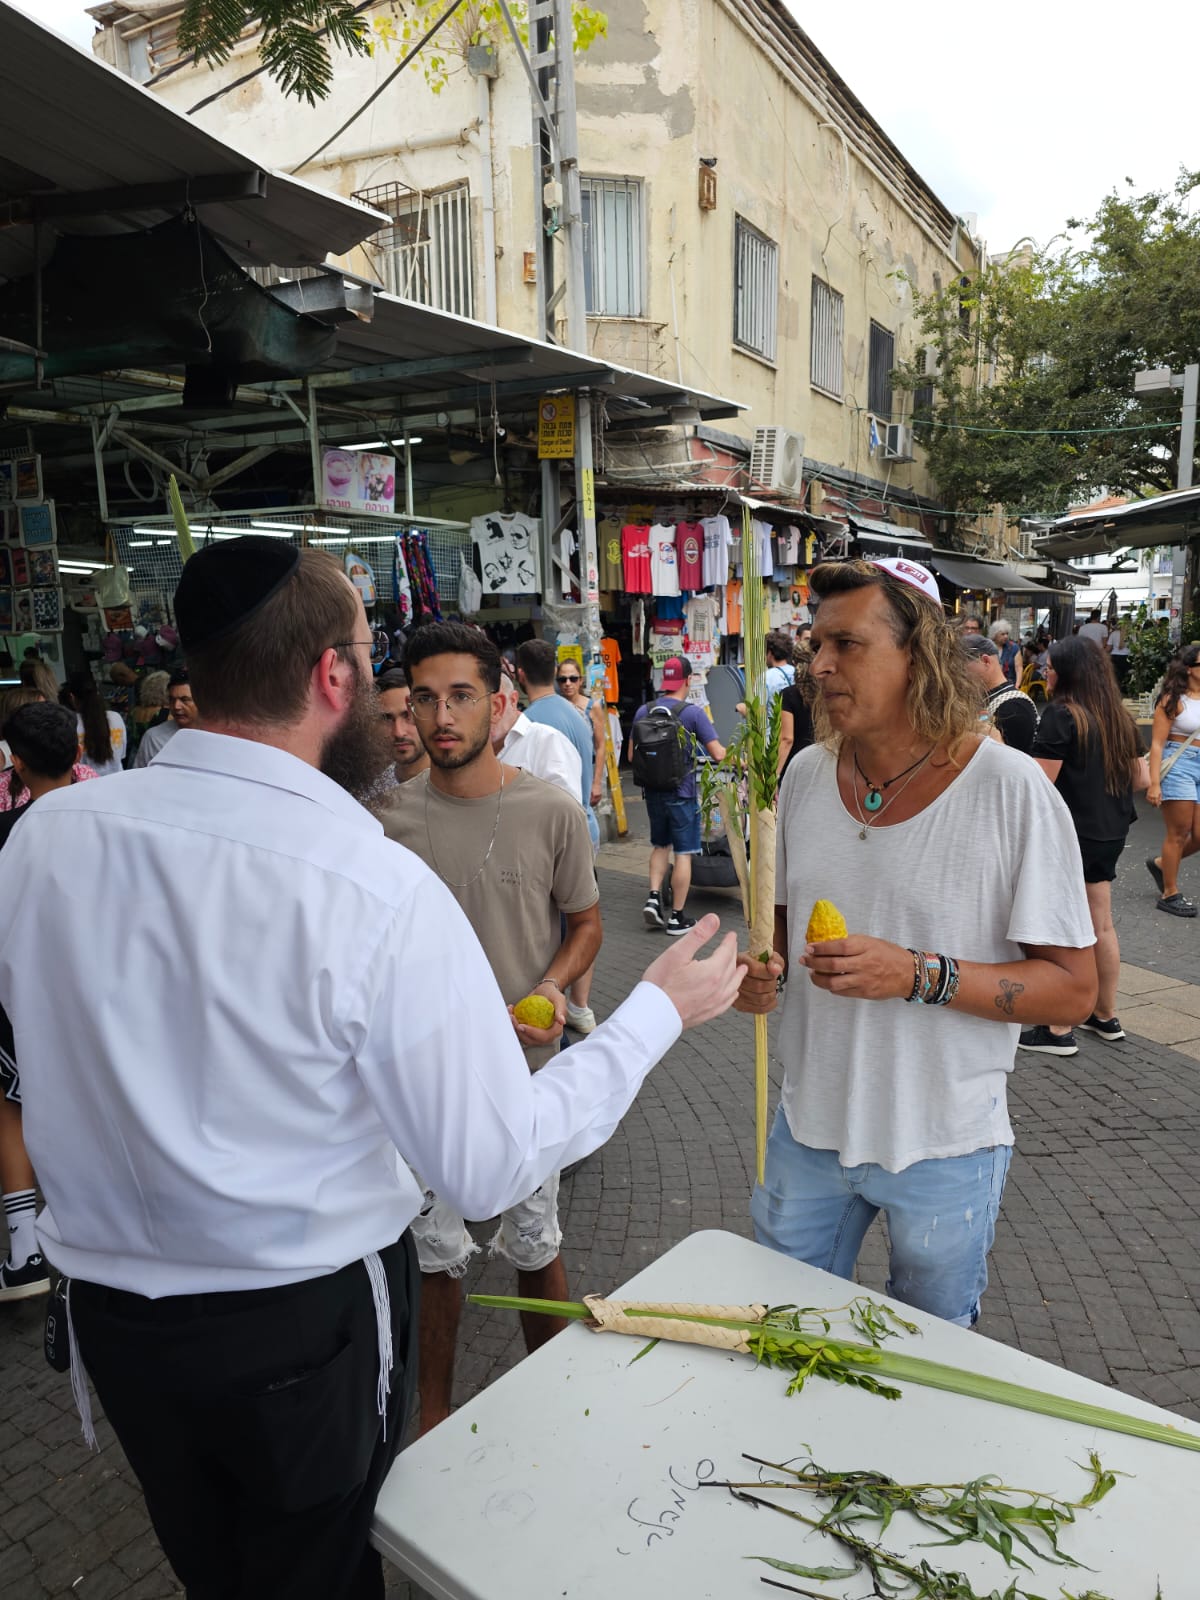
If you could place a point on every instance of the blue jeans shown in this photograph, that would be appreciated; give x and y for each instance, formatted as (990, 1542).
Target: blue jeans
(674, 822)
(941, 1218)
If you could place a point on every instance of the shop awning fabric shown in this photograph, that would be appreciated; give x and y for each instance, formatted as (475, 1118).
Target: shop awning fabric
(1172, 518)
(964, 573)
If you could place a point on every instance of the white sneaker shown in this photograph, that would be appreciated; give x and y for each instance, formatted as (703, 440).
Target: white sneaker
(582, 1019)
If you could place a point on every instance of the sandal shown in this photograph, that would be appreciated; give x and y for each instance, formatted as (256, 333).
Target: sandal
(1155, 871)
(1177, 905)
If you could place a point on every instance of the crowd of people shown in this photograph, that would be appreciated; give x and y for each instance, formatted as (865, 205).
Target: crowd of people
(256, 1285)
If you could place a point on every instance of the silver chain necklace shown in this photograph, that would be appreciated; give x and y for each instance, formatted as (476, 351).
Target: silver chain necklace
(868, 824)
(451, 882)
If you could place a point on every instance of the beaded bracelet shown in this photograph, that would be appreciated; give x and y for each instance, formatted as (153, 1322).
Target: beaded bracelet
(935, 978)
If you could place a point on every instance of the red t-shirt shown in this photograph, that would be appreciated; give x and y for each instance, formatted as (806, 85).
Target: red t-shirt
(635, 558)
(689, 553)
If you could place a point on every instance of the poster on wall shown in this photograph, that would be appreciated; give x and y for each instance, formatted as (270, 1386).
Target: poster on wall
(361, 576)
(356, 480)
(38, 525)
(22, 611)
(47, 610)
(10, 524)
(6, 611)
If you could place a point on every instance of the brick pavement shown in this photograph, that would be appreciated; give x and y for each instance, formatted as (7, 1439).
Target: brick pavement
(1096, 1264)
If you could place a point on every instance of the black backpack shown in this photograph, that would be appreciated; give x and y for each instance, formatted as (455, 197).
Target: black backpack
(661, 748)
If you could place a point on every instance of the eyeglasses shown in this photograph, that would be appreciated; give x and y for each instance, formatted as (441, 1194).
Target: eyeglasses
(575, 679)
(424, 706)
(378, 646)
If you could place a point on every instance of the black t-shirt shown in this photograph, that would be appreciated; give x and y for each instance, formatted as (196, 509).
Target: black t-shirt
(1016, 718)
(9, 820)
(1095, 813)
(791, 699)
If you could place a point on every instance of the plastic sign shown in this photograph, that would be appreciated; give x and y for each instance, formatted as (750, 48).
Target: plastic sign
(556, 427)
(356, 480)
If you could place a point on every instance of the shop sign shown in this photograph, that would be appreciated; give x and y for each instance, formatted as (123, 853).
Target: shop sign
(556, 427)
(356, 480)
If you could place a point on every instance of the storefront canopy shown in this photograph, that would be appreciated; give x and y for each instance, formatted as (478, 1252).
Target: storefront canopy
(964, 573)
(83, 151)
(1164, 519)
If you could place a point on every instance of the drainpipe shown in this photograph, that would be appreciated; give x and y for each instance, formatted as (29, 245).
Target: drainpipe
(484, 66)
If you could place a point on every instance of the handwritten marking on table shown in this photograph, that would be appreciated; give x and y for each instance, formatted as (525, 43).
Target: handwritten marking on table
(509, 1508)
(651, 1404)
(661, 1524)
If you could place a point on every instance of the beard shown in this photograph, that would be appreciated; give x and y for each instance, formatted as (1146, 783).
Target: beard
(357, 750)
(474, 743)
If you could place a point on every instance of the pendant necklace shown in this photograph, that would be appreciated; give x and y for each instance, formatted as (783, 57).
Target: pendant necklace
(873, 799)
(879, 809)
(451, 882)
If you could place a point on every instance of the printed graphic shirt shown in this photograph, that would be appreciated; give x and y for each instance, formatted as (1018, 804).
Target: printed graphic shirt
(689, 546)
(664, 565)
(635, 558)
(507, 546)
(608, 547)
(718, 536)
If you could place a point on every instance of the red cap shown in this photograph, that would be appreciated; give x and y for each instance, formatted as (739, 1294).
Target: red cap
(676, 672)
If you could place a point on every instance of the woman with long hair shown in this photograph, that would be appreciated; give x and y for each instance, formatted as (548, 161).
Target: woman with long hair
(1175, 738)
(1087, 745)
(101, 732)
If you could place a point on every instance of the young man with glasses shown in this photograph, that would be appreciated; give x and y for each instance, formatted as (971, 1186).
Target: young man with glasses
(514, 852)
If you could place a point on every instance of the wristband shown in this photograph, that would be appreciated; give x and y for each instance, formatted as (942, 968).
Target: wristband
(554, 983)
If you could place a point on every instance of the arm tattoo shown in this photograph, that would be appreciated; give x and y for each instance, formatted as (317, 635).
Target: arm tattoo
(1007, 998)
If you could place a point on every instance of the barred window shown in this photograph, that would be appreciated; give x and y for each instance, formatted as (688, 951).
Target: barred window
(426, 254)
(613, 251)
(756, 289)
(828, 329)
(882, 361)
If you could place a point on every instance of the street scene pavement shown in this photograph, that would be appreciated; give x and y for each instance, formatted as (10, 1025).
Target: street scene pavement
(1096, 1265)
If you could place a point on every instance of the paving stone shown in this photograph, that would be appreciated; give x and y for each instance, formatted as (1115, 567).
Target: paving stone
(1160, 1023)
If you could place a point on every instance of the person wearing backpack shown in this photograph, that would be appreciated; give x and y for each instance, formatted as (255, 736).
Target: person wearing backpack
(666, 735)
(1010, 711)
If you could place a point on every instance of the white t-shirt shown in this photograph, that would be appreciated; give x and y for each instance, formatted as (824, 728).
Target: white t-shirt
(1187, 721)
(116, 729)
(718, 536)
(507, 545)
(1095, 631)
(766, 556)
(664, 563)
(992, 864)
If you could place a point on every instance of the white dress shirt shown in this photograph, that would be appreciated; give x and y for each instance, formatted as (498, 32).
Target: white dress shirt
(308, 999)
(538, 748)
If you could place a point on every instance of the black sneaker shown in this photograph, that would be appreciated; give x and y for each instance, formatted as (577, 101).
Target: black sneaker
(1177, 905)
(652, 911)
(679, 924)
(1047, 1043)
(21, 1283)
(1110, 1030)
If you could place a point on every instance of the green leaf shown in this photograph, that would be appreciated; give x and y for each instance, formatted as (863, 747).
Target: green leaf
(831, 1574)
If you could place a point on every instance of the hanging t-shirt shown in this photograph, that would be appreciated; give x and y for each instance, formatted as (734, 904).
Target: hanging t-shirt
(608, 548)
(507, 546)
(635, 558)
(788, 545)
(763, 530)
(610, 654)
(664, 565)
(689, 546)
(733, 606)
(718, 536)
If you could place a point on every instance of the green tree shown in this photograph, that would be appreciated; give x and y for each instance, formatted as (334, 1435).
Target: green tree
(1033, 404)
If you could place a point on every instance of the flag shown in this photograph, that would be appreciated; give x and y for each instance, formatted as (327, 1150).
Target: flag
(873, 436)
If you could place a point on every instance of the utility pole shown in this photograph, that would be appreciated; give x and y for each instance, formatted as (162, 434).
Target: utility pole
(558, 202)
(1183, 560)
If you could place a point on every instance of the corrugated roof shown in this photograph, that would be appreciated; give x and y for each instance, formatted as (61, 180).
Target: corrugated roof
(71, 125)
(1170, 518)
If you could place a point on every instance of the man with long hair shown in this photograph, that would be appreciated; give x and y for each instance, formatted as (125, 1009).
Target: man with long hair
(897, 1040)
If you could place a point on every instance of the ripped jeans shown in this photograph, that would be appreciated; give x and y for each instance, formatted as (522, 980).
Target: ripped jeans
(941, 1218)
(528, 1237)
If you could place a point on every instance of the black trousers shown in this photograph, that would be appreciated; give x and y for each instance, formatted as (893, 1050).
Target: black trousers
(252, 1422)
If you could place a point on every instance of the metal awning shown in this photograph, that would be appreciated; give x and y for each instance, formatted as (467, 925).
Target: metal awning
(888, 535)
(1163, 519)
(964, 573)
(85, 151)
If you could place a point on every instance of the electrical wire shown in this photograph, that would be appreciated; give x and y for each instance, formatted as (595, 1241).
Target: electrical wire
(390, 79)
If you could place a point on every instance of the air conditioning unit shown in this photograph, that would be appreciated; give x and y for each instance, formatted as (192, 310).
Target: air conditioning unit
(897, 441)
(777, 459)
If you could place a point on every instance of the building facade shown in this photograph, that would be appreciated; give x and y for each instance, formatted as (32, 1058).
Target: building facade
(748, 227)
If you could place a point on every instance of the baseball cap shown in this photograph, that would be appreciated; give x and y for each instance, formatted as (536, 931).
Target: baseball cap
(676, 672)
(911, 573)
(976, 645)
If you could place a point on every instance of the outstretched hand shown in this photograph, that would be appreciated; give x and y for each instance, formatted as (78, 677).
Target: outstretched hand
(699, 990)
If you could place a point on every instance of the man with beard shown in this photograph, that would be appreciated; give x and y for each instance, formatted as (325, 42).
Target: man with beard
(231, 1209)
(409, 759)
(515, 853)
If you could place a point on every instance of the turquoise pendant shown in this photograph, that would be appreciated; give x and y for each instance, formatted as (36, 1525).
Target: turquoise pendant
(873, 800)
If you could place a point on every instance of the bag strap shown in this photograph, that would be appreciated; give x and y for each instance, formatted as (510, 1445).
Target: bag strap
(1182, 751)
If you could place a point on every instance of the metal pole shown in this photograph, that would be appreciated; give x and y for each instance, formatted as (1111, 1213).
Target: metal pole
(1184, 560)
(98, 457)
(408, 476)
(314, 445)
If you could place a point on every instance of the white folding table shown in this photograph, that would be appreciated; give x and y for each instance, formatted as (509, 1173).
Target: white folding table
(579, 1474)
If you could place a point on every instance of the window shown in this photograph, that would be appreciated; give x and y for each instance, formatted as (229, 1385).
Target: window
(828, 326)
(755, 289)
(879, 378)
(613, 273)
(426, 254)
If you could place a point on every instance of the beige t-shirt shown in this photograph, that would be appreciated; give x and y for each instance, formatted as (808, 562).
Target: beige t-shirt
(541, 865)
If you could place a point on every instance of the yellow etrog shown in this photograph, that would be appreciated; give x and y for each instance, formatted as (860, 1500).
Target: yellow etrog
(826, 922)
(535, 1011)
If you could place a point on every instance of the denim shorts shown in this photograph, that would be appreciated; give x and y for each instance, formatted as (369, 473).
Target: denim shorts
(528, 1237)
(941, 1218)
(1183, 780)
(674, 822)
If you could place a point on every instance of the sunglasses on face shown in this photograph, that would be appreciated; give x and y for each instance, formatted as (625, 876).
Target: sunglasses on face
(574, 679)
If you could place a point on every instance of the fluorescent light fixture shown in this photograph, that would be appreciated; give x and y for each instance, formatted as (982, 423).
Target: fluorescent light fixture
(414, 439)
(330, 541)
(279, 527)
(371, 444)
(141, 544)
(81, 567)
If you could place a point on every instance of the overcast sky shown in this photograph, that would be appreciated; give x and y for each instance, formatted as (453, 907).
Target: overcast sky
(1026, 116)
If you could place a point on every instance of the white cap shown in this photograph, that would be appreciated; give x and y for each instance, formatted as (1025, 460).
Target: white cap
(912, 573)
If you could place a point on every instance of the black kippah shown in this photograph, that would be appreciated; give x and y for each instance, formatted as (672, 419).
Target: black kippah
(225, 584)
